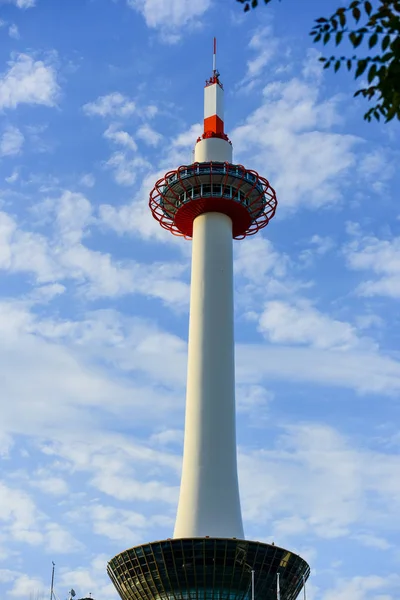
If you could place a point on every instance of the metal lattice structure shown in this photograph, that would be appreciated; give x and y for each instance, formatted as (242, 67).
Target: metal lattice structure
(242, 194)
(207, 569)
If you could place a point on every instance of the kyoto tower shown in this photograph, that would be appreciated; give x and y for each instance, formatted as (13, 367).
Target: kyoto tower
(211, 201)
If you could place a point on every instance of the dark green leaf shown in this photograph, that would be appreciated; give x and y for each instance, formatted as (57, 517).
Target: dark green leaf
(327, 65)
(321, 20)
(354, 4)
(338, 37)
(356, 12)
(326, 38)
(371, 73)
(348, 64)
(337, 66)
(358, 40)
(362, 65)
(342, 18)
(368, 7)
(385, 42)
(373, 40)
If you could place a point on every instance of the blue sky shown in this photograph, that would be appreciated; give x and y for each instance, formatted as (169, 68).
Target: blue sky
(98, 99)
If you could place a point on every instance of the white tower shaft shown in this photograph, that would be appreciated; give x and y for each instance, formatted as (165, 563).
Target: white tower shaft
(209, 503)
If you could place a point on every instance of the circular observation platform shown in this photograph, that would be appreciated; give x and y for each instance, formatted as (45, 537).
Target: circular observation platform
(189, 191)
(207, 569)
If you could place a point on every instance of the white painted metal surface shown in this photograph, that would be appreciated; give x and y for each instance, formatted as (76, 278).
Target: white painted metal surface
(209, 503)
(213, 149)
(214, 101)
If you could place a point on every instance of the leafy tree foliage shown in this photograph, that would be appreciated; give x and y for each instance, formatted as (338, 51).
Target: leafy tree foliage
(371, 27)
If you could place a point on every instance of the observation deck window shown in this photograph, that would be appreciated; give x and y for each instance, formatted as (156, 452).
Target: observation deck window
(216, 188)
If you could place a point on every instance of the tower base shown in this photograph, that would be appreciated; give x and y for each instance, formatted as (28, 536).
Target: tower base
(207, 569)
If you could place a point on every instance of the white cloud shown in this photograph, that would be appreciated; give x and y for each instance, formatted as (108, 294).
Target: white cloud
(253, 400)
(45, 293)
(73, 215)
(63, 256)
(121, 524)
(13, 177)
(319, 246)
(22, 251)
(114, 104)
(11, 141)
(122, 138)
(187, 139)
(55, 486)
(301, 323)
(58, 367)
(314, 480)
(264, 46)
(322, 244)
(59, 540)
(28, 81)
(23, 3)
(27, 587)
(126, 170)
(135, 218)
(292, 122)
(379, 257)
(177, 13)
(88, 180)
(149, 135)
(13, 32)
(168, 437)
(23, 522)
(247, 260)
(362, 371)
(259, 279)
(372, 541)
(375, 169)
(92, 577)
(370, 587)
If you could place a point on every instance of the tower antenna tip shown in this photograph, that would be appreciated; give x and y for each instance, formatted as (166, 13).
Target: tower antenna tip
(214, 55)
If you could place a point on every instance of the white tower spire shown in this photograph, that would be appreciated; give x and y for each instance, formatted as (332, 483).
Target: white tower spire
(210, 201)
(209, 503)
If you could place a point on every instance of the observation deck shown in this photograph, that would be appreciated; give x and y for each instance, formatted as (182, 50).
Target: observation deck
(207, 569)
(189, 191)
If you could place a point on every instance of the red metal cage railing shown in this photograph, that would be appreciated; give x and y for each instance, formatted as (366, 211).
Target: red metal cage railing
(191, 190)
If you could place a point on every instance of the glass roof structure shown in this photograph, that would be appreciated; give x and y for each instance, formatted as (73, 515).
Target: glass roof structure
(207, 569)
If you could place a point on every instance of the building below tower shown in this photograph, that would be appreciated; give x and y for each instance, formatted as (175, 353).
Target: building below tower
(207, 569)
